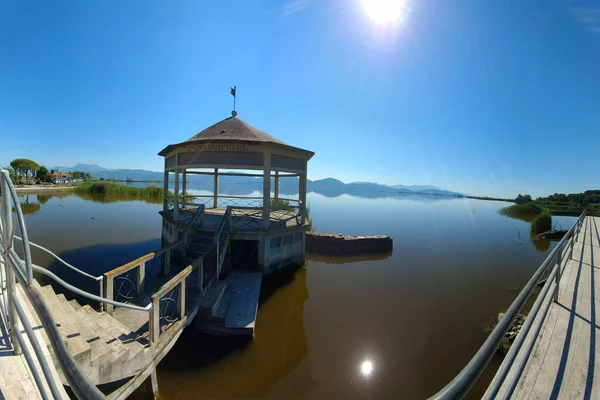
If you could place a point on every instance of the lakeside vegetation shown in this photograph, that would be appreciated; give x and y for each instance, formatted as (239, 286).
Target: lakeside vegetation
(541, 223)
(113, 189)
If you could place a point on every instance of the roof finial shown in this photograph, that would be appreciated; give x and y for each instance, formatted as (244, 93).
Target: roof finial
(232, 91)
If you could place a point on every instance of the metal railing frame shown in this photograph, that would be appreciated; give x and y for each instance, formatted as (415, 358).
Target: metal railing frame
(18, 270)
(466, 378)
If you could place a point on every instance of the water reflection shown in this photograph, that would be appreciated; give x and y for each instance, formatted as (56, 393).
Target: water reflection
(346, 259)
(539, 243)
(202, 366)
(366, 368)
(114, 198)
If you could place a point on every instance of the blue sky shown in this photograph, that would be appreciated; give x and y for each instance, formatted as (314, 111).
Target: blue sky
(484, 97)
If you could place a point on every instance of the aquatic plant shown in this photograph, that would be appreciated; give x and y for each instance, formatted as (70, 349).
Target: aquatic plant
(541, 223)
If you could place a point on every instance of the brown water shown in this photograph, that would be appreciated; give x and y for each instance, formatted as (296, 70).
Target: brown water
(415, 317)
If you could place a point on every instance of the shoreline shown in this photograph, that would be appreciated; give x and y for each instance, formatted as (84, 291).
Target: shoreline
(33, 189)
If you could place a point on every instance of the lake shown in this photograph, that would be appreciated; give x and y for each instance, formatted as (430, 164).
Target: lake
(398, 326)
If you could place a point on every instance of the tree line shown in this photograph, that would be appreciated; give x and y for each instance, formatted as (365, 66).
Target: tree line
(28, 171)
(587, 197)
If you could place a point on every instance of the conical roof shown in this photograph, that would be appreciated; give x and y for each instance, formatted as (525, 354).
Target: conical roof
(233, 129)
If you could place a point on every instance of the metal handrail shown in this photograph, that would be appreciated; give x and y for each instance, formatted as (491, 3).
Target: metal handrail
(37, 246)
(466, 378)
(23, 272)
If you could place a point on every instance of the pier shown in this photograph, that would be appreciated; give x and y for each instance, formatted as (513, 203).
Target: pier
(207, 273)
(555, 353)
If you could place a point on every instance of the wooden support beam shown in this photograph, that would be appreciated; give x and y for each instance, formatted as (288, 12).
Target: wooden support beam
(276, 188)
(184, 184)
(166, 192)
(266, 217)
(216, 189)
(176, 199)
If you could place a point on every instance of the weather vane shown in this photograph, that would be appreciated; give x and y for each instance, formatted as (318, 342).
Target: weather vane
(232, 91)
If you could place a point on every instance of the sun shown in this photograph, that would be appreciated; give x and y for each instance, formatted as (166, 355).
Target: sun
(384, 12)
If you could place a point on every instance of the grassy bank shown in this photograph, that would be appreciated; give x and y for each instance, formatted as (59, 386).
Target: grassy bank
(541, 223)
(113, 189)
(526, 212)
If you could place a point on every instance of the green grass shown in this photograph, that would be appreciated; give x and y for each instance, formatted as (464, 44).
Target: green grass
(124, 192)
(525, 212)
(541, 223)
(279, 203)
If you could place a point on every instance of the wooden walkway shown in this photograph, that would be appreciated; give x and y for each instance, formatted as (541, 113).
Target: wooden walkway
(564, 362)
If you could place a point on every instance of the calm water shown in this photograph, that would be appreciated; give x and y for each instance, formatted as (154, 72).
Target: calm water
(416, 316)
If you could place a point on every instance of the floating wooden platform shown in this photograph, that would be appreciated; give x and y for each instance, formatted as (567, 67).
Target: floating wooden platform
(565, 360)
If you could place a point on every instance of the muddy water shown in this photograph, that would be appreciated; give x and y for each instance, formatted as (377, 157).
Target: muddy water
(394, 326)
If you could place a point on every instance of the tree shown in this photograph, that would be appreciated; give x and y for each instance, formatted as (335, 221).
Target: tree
(24, 166)
(43, 174)
(14, 177)
(88, 176)
(523, 199)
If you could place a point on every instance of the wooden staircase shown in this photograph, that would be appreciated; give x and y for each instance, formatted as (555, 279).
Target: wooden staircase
(103, 348)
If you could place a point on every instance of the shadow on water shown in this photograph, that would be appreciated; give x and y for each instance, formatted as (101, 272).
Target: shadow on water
(346, 259)
(95, 260)
(200, 365)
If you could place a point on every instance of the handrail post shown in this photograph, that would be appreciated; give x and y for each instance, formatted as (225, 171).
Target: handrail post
(11, 280)
(558, 274)
(108, 291)
(154, 322)
(101, 282)
(182, 298)
(141, 274)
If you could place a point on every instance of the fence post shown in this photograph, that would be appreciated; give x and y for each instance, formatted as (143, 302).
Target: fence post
(182, 299)
(558, 274)
(155, 321)
(10, 274)
(141, 273)
(109, 289)
(101, 291)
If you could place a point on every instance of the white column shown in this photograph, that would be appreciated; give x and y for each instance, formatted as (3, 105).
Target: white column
(216, 189)
(176, 200)
(184, 184)
(277, 188)
(266, 219)
(302, 194)
(166, 190)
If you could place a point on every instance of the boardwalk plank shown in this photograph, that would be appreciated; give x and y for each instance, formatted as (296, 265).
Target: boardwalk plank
(570, 332)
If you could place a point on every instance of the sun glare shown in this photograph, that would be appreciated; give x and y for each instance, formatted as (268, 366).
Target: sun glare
(384, 12)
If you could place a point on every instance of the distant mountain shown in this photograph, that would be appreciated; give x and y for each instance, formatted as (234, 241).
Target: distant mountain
(106, 173)
(237, 185)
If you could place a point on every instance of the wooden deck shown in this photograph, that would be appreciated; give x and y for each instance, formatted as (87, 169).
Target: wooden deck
(565, 356)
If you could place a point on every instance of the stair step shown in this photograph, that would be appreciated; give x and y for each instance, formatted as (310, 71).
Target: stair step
(211, 300)
(108, 342)
(88, 333)
(225, 304)
(74, 340)
(74, 304)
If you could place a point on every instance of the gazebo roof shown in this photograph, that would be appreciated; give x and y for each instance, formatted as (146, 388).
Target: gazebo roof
(232, 129)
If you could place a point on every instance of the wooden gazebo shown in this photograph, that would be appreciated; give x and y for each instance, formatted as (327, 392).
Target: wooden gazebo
(232, 147)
